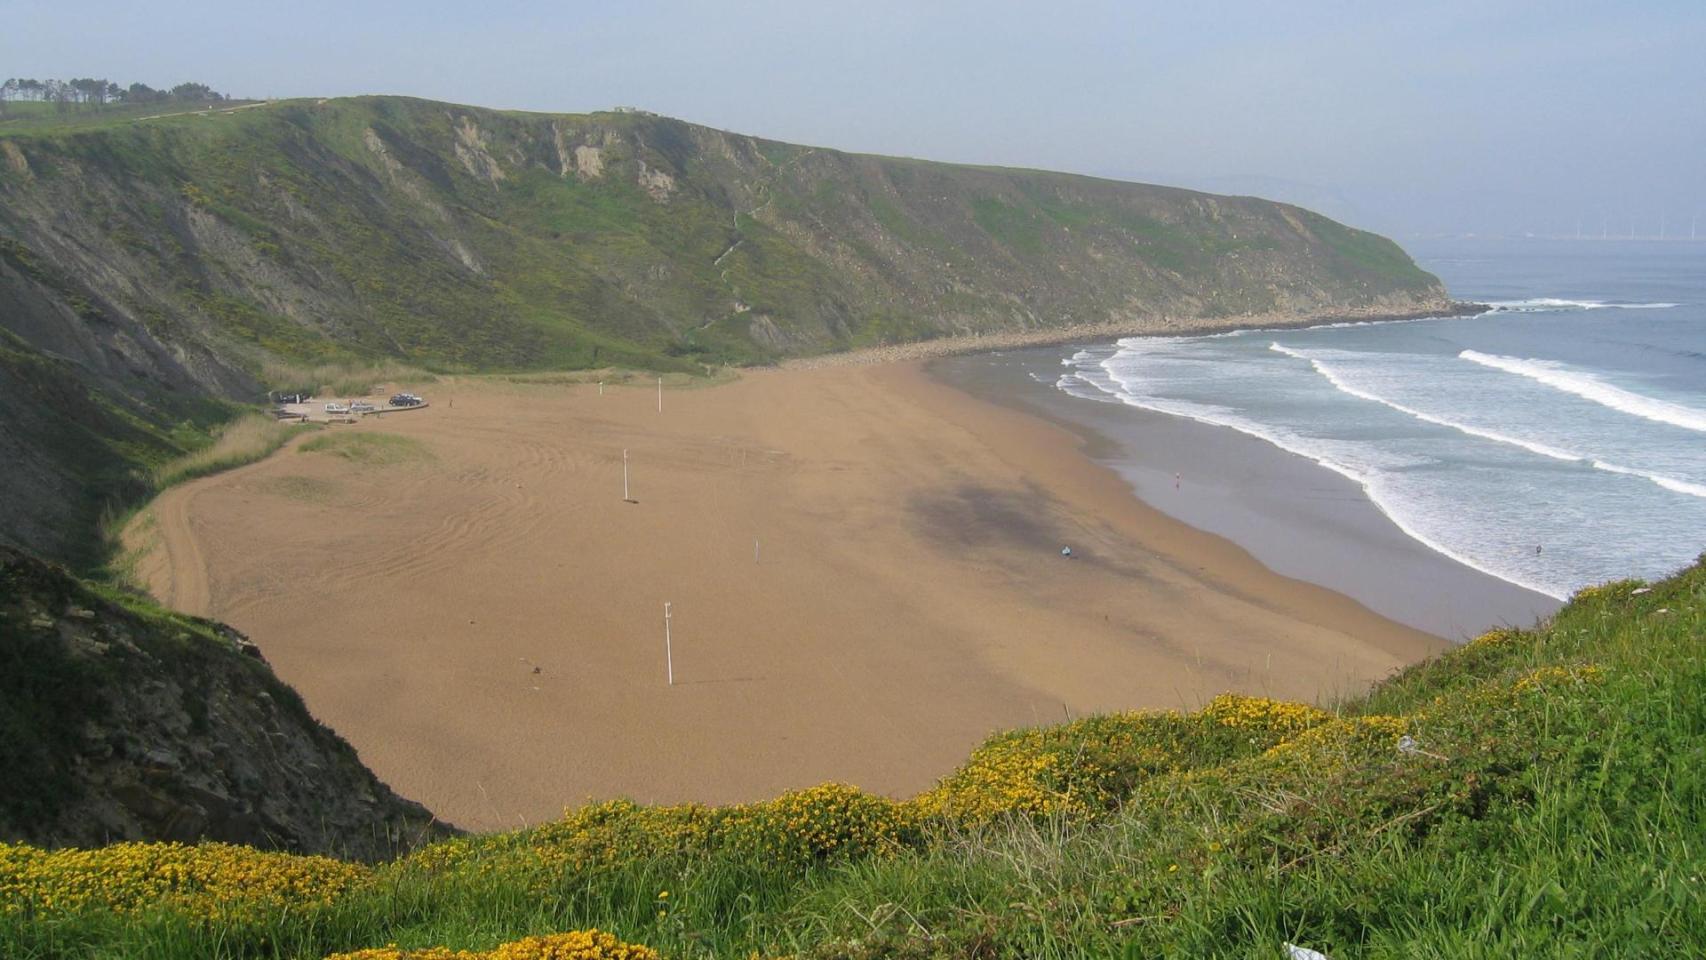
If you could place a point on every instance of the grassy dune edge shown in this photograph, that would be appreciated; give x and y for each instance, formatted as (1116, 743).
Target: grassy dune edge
(1531, 793)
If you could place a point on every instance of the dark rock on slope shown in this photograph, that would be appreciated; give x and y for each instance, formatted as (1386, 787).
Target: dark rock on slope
(123, 722)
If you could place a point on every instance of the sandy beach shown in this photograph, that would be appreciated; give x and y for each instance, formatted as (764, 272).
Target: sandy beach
(484, 620)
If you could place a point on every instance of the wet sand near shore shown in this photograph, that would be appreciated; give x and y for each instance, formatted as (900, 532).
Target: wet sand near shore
(485, 623)
(1294, 515)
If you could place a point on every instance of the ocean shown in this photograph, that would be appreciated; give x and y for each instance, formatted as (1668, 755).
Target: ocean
(1555, 441)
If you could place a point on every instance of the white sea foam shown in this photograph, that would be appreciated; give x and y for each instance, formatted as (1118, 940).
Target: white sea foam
(1073, 385)
(1333, 377)
(1339, 383)
(1541, 304)
(1590, 387)
(1372, 474)
(1479, 454)
(1669, 483)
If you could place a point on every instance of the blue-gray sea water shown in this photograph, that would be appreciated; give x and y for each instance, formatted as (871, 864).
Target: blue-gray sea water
(1557, 440)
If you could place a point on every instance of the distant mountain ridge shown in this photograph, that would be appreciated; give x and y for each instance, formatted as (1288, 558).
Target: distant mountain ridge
(150, 270)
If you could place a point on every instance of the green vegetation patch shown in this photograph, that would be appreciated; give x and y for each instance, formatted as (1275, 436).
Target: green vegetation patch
(1011, 226)
(1368, 253)
(299, 488)
(369, 448)
(244, 440)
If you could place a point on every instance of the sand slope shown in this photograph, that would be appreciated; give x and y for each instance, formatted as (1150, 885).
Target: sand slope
(486, 625)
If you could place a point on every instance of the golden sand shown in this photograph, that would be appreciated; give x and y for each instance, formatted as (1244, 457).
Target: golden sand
(485, 624)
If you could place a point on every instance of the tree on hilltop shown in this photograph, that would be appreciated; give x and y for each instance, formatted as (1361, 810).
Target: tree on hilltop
(100, 92)
(195, 91)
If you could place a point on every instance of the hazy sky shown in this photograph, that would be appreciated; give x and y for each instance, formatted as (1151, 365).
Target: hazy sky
(1460, 115)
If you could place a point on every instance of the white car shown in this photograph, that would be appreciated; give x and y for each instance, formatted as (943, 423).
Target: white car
(335, 407)
(361, 406)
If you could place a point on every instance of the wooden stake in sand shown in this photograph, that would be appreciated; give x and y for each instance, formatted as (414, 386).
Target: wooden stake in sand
(660, 394)
(668, 651)
(625, 497)
(601, 388)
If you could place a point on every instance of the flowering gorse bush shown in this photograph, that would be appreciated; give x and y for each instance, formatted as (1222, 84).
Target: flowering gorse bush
(1009, 776)
(1079, 769)
(1261, 714)
(1082, 769)
(1498, 637)
(210, 880)
(1559, 676)
(800, 828)
(1335, 741)
(574, 945)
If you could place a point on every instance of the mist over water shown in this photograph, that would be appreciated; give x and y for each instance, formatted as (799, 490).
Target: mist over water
(1555, 441)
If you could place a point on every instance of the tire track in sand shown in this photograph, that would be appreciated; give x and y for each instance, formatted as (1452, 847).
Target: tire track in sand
(181, 583)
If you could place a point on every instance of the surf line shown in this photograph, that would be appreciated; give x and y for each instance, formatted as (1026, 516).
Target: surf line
(1589, 387)
(1370, 481)
(1668, 483)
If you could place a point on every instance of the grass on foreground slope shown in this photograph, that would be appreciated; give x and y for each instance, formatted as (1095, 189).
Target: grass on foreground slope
(1533, 793)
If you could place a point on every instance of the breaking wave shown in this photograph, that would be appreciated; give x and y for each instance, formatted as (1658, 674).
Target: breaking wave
(1590, 387)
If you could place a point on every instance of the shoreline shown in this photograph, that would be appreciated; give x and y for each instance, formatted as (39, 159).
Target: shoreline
(863, 563)
(1297, 517)
(1150, 327)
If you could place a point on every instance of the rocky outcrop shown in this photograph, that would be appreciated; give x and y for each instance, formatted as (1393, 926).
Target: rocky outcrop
(123, 722)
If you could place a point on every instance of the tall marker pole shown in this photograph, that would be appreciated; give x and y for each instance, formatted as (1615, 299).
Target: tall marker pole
(668, 650)
(625, 497)
(660, 394)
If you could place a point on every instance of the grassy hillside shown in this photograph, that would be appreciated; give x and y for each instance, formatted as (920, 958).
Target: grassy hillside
(1533, 793)
(38, 116)
(155, 269)
(450, 235)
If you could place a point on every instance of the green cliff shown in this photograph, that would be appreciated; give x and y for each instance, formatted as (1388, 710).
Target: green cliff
(152, 271)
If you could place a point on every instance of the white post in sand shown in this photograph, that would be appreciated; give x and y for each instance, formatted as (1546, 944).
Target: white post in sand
(601, 388)
(668, 650)
(625, 497)
(660, 394)
(754, 549)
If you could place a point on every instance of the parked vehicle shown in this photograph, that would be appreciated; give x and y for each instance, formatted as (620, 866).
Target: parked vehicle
(406, 400)
(335, 407)
(361, 406)
(294, 398)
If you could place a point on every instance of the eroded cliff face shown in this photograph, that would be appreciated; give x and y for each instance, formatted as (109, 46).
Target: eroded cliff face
(118, 722)
(148, 267)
